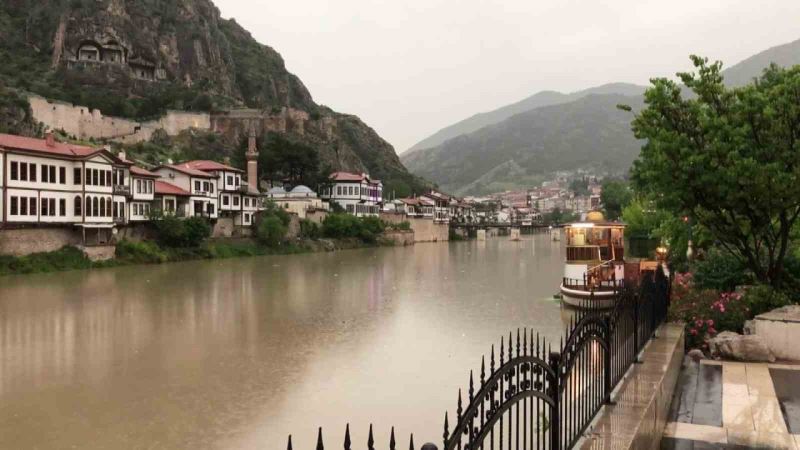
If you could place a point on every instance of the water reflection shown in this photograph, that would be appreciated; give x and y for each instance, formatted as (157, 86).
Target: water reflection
(239, 353)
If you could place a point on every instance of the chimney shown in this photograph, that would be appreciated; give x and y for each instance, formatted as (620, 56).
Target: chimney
(122, 155)
(252, 160)
(50, 140)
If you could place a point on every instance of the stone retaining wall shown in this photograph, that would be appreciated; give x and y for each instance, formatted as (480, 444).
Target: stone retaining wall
(24, 241)
(425, 230)
(399, 237)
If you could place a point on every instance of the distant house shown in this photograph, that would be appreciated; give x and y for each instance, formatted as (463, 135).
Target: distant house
(416, 207)
(202, 186)
(358, 194)
(171, 199)
(441, 209)
(46, 182)
(300, 200)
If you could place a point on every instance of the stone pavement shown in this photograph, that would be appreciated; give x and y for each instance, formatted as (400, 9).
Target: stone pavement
(732, 405)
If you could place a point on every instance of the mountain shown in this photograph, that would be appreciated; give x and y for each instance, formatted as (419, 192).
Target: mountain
(538, 100)
(588, 131)
(140, 58)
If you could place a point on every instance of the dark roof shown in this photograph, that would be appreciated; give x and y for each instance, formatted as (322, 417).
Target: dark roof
(187, 170)
(209, 166)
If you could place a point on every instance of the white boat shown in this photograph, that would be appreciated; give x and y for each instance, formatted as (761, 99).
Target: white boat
(594, 269)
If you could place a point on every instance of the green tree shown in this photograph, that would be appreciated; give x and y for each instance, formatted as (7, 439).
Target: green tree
(271, 231)
(616, 195)
(728, 157)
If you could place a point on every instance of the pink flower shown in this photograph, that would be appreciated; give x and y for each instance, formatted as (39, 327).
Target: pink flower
(693, 331)
(712, 330)
(710, 322)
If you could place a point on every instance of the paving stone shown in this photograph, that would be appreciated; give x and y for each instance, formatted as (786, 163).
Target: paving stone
(787, 390)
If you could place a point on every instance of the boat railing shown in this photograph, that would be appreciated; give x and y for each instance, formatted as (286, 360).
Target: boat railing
(591, 285)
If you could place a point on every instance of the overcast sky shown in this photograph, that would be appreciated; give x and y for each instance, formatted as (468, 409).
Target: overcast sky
(411, 67)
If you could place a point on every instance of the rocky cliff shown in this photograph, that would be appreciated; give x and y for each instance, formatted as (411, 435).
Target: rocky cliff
(138, 58)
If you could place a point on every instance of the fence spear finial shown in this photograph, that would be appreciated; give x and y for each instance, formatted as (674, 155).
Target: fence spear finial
(392, 443)
(446, 429)
(370, 439)
(347, 442)
(289, 447)
(320, 445)
(471, 387)
(411, 442)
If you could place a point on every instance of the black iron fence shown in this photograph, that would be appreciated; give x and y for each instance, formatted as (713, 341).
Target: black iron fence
(531, 395)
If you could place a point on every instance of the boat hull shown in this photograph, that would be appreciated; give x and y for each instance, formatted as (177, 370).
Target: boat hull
(579, 298)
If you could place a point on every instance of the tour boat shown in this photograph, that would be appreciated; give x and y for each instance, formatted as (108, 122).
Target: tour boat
(595, 267)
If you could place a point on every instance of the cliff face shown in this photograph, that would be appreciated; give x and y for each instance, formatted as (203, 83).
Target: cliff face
(136, 58)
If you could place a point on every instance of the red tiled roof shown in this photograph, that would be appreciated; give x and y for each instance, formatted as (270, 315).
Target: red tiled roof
(188, 171)
(208, 166)
(346, 176)
(139, 172)
(13, 142)
(164, 188)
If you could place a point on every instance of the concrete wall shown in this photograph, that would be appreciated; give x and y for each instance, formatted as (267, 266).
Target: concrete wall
(399, 237)
(425, 230)
(100, 252)
(84, 123)
(24, 241)
(317, 216)
(224, 227)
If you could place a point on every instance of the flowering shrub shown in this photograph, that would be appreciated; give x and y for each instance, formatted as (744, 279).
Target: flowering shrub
(706, 312)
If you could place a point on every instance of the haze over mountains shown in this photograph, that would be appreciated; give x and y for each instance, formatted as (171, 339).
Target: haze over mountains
(516, 146)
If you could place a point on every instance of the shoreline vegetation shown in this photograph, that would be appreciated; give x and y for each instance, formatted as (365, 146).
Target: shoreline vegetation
(130, 253)
(178, 240)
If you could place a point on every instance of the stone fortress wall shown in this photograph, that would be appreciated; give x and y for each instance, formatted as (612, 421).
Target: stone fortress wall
(84, 123)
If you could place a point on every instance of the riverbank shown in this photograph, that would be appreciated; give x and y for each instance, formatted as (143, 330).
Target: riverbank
(148, 252)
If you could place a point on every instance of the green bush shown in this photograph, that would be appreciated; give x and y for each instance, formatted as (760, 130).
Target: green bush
(140, 252)
(720, 270)
(271, 231)
(763, 298)
(67, 258)
(182, 233)
(310, 229)
(347, 226)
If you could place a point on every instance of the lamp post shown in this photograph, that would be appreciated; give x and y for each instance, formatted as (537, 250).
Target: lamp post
(689, 249)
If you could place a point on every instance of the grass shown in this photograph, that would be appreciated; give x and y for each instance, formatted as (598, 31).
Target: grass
(148, 252)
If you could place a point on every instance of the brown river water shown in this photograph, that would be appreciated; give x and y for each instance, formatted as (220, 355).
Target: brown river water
(240, 353)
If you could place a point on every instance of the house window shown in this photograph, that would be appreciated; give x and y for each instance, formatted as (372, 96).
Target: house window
(14, 170)
(238, 181)
(211, 188)
(23, 206)
(102, 208)
(108, 178)
(101, 174)
(32, 203)
(23, 171)
(45, 207)
(95, 206)
(62, 172)
(229, 180)
(197, 185)
(108, 206)
(338, 190)
(62, 207)
(225, 200)
(32, 171)
(235, 201)
(247, 202)
(210, 209)
(14, 206)
(95, 177)
(76, 175)
(77, 206)
(169, 205)
(138, 186)
(206, 187)
(52, 170)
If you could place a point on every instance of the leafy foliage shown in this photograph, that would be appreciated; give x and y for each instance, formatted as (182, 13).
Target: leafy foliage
(719, 270)
(271, 231)
(729, 157)
(343, 226)
(310, 229)
(615, 197)
(763, 298)
(181, 233)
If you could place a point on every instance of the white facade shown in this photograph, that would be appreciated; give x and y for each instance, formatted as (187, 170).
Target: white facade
(203, 188)
(355, 193)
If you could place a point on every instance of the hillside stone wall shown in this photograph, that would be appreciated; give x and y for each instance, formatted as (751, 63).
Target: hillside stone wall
(85, 123)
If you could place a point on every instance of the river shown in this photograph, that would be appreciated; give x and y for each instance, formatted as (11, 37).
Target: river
(240, 353)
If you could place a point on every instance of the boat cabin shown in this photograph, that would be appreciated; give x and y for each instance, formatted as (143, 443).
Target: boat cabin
(595, 253)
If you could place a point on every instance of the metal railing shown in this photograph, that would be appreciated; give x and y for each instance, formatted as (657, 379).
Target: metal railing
(530, 394)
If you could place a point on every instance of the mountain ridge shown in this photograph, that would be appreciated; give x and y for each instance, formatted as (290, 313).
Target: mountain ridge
(482, 151)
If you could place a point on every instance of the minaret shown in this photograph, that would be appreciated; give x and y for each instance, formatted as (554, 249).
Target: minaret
(252, 160)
